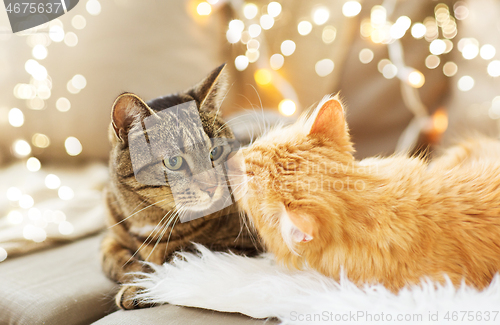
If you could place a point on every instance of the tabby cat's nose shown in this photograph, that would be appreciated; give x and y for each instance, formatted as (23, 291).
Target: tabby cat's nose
(209, 190)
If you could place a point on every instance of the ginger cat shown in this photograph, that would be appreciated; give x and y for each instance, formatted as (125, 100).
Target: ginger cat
(391, 220)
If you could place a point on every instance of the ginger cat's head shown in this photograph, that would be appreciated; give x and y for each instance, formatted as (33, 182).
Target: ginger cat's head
(290, 174)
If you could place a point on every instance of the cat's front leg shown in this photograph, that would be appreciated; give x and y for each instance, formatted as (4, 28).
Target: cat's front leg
(118, 263)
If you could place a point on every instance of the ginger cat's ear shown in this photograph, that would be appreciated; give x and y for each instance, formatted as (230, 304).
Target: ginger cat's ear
(126, 108)
(296, 227)
(328, 119)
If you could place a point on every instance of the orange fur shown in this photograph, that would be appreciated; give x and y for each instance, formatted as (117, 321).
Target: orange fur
(389, 220)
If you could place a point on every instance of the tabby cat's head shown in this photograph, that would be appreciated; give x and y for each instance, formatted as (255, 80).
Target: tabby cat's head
(170, 150)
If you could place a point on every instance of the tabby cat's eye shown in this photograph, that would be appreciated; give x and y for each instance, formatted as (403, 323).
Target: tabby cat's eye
(216, 153)
(173, 163)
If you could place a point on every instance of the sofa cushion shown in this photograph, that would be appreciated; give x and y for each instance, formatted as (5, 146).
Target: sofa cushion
(170, 314)
(63, 285)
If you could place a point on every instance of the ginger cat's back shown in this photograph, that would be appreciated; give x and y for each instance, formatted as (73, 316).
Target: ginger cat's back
(393, 221)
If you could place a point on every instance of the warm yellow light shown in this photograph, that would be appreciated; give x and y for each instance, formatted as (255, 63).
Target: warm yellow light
(416, 79)
(488, 51)
(437, 47)
(287, 107)
(324, 67)
(63, 104)
(70, 39)
(440, 120)
(79, 22)
(204, 9)
(263, 77)
(93, 7)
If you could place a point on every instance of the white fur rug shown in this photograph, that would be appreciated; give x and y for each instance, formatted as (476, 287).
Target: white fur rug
(259, 288)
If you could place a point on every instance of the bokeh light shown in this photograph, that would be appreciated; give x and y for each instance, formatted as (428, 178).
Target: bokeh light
(73, 146)
(304, 27)
(324, 67)
(287, 107)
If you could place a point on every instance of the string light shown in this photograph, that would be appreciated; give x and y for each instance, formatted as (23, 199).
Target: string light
(263, 77)
(287, 107)
(366, 56)
(79, 22)
(416, 79)
(487, 52)
(324, 67)
(33, 164)
(450, 69)
(56, 33)
(14, 194)
(274, 9)
(266, 21)
(276, 61)
(52, 181)
(241, 62)
(470, 51)
(418, 30)
(21, 148)
(39, 52)
(250, 10)
(437, 47)
(63, 104)
(73, 146)
(65, 193)
(432, 61)
(40, 140)
(351, 8)
(288, 47)
(253, 45)
(204, 9)
(320, 15)
(70, 39)
(304, 27)
(93, 7)
(329, 34)
(254, 30)
(16, 117)
(494, 68)
(15, 217)
(26, 201)
(390, 71)
(466, 83)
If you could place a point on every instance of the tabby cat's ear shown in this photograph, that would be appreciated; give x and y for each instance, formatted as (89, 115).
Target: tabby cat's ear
(127, 108)
(210, 92)
(296, 227)
(328, 119)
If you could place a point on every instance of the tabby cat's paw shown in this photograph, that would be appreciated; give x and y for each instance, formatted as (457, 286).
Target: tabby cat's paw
(126, 298)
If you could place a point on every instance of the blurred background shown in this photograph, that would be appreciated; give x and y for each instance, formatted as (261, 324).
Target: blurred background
(412, 73)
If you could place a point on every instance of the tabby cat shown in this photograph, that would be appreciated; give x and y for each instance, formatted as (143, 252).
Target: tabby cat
(143, 214)
(393, 221)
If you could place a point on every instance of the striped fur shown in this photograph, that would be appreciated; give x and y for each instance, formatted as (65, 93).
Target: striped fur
(142, 218)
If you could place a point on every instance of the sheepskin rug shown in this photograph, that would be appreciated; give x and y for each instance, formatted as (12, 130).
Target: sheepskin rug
(259, 288)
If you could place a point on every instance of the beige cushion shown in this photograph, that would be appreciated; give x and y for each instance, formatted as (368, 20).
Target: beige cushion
(64, 285)
(170, 314)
